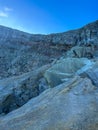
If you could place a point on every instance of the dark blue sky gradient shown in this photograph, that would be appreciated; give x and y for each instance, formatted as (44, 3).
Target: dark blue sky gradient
(48, 16)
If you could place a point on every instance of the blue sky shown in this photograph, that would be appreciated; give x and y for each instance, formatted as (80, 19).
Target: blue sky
(47, 16)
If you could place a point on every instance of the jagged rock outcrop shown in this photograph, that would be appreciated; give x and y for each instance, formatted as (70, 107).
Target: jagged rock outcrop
(69, 106)
(85, 35)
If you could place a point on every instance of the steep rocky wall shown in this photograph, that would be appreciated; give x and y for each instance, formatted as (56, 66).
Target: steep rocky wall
(85, 35)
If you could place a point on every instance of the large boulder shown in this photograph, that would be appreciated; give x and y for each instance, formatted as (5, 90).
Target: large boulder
(70, 106)
(65, 69)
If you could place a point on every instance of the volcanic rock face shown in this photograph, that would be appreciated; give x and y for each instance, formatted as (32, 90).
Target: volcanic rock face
(22, 52)
(49, 82)
(85, 35)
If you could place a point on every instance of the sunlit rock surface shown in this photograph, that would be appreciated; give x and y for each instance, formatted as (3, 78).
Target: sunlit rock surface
(70, 106)
(65, 69)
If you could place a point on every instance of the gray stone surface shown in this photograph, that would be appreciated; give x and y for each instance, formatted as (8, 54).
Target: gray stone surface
(85, 35)
(69, 106)
(21, 52)
(65, 69)
(17, 90)
(82, 51)
(92, 73)
(30, 65)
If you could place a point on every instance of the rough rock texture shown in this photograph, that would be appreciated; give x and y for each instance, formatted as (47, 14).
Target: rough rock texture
(85, 35)
(69, 106)
(92, 73)
(16, 91)
(65, 69)
(21, 52)
(31, 64)
(82, 51)
(24, 58)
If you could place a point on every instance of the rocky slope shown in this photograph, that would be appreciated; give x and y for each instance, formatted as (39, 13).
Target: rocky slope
(69, 106)
(85, 35)
(49, 82)
(22, 52)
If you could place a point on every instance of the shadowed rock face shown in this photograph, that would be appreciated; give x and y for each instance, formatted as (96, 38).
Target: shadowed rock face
(17, 90)
(31, 64)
